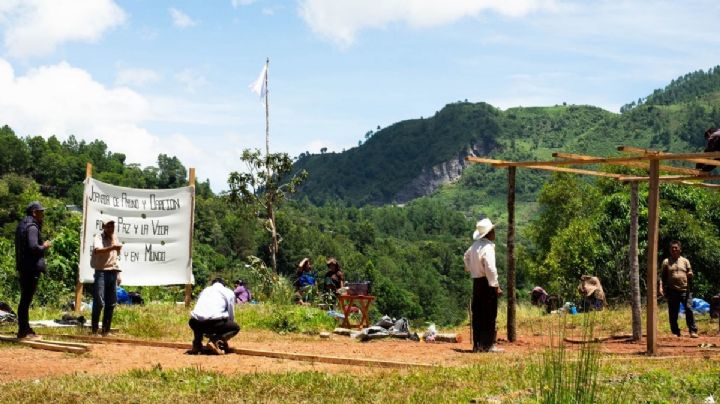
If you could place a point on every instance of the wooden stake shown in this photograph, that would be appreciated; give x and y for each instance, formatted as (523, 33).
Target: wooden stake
(511, 331)
(78, 283)
(188, 286)
(652, 249)
(634, 264)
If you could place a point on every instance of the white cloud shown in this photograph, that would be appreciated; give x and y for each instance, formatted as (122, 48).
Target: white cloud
(62, 100)
(38, 27)
(190, 79)
(240, 3)
(340, 21)
(136, 77)
(181, 19)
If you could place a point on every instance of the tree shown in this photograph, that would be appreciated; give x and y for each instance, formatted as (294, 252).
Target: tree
(172, 173)
(263, 188)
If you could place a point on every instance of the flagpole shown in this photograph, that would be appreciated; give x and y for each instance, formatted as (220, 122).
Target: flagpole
(267, 117)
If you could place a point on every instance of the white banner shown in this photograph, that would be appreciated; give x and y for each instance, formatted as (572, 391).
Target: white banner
(154, 226)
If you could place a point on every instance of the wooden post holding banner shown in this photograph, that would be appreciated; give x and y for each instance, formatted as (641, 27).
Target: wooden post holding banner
(635, 264)
(652, 249)
(78, 283)
(188, 286)
(511, 332)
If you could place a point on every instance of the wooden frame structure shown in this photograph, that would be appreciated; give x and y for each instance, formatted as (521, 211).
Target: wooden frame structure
(643, 158)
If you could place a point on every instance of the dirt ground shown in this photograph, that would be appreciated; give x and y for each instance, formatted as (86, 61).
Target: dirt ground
(24, 363)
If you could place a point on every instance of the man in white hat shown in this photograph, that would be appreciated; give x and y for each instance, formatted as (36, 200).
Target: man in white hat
(106, 248)
(480, 262)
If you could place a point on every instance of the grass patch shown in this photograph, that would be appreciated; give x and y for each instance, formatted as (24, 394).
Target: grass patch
(169, 321)
(505, 378)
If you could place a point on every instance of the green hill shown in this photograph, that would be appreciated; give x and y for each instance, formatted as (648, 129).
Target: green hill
(414, 157)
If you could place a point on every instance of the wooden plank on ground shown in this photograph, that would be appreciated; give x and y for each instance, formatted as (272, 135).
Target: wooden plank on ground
(130, 341)
(58, 346)
(256, 352)
(329, 359)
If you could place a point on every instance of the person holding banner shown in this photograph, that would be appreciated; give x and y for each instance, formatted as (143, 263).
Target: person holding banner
(29, 262)
(106, 248)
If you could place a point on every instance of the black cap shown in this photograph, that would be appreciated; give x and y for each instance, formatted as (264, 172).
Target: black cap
(33, 206)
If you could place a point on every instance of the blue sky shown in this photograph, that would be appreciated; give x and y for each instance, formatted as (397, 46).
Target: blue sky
(172, 76)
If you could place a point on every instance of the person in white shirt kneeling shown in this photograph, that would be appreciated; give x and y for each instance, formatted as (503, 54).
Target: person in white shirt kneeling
(214, 316)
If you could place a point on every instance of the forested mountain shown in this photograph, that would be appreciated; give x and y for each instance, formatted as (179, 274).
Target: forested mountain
(690, 87)
(414, 157)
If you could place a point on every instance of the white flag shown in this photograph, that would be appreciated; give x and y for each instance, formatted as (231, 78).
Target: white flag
(259, 86)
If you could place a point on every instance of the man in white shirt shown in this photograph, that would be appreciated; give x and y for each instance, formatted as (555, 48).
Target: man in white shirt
(480, 263)
(214, 315)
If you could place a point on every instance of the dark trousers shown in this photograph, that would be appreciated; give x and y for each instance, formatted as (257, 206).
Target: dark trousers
(484, 313)
(104, 296)
(674, 298)
(220, 329)
(28, 286)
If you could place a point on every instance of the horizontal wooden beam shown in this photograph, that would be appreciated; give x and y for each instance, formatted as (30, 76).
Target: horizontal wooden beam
(700, 184)
(639, 164)
(672, 178)
(481, 160)
(639, 150)
(607, 160)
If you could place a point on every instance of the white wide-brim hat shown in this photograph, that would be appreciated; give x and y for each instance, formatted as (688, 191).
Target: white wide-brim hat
(482, 228)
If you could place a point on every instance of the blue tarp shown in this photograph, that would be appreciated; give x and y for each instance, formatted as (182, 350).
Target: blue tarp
(699, 306)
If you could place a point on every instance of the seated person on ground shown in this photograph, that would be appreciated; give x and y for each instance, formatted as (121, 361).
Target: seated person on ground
(304, 280)
(538, 296)
(712, 144)
(214, 316)
(242, 293)
(592, 293)
(334, 278)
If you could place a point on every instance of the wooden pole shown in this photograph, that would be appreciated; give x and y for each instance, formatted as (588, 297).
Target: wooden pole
(511, 332)
(78, 283)
(652, 249)
(188, 286)
(634, 264)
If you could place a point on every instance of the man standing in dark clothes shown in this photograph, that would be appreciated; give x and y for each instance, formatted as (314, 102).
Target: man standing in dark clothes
(712, 144)
(29, 262)
(480, 262)
(675, 278)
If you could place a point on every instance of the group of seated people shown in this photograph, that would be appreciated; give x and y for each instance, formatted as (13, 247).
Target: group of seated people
(306, 278)
(591, 293)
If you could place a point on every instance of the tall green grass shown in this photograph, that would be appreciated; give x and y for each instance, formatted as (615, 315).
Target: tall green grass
(169, 321)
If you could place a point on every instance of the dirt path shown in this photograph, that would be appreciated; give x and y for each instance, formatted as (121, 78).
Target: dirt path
(22, 363)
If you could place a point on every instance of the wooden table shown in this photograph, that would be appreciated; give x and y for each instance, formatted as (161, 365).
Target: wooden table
(362, 302)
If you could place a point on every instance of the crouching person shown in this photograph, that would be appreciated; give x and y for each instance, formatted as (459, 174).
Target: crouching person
(214, 316)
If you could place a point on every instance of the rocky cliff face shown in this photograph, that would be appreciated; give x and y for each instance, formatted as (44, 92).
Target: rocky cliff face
(432, 178)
